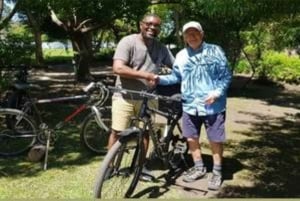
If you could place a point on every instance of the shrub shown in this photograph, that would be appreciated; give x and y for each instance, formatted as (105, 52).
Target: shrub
(242, 66)
(15, 50)
(281, 67)
(55, 56)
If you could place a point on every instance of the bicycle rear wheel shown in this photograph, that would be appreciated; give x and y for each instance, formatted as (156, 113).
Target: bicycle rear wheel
(17, 132)
(93, 136)
(119, 172)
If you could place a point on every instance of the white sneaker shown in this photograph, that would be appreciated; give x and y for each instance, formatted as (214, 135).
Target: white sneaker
(214, 182)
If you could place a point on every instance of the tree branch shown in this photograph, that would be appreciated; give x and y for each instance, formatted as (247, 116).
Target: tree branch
(90, 28)
(56, 20)
(82, 24)
(11, 14)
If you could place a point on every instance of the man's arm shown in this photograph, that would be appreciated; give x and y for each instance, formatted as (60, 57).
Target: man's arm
(120, 68)
(173, 78)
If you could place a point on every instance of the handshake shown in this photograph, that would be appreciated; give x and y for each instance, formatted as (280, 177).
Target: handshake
(152, 79)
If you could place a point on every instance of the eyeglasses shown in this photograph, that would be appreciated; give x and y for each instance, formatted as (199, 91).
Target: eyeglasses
(149, 24)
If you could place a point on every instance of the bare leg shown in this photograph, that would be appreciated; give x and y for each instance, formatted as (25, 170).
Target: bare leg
(146, 142)
(113, 137)
(198, 170)
(217, 152)
(195, 149)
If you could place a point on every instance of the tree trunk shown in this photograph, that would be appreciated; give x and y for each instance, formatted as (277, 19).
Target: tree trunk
(83, 55)
(37, 38)
(1, 8)
(38, 48)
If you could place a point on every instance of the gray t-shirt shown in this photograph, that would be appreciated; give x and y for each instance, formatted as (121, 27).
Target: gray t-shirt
(137, 55)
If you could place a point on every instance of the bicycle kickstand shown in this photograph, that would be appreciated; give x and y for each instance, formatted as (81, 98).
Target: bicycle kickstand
(47, 149)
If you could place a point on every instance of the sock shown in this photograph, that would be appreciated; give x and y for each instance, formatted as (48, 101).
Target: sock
(217, 169)
(199, 164)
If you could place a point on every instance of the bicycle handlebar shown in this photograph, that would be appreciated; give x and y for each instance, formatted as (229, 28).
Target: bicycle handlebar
(104, 89)
(144, 94)
(103, 94)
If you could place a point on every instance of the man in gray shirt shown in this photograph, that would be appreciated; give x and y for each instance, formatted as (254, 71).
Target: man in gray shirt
(137, 59)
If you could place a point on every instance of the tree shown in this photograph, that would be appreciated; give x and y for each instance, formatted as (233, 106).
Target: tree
(170, 14)
(34, 13)
(80, 18)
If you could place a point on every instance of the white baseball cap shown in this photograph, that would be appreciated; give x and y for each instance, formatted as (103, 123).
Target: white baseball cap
(192, 24)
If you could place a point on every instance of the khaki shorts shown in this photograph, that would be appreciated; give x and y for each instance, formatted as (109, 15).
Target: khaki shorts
(123, 110)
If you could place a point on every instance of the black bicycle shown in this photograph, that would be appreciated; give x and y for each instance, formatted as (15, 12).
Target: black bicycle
(120, 170)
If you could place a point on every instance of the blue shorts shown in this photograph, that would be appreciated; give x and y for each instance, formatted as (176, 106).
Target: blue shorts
(214, 126)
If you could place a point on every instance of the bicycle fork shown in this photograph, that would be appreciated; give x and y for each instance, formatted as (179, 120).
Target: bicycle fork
(98, 118)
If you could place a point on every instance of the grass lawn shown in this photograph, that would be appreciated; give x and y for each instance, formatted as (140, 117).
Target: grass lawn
(261, 157)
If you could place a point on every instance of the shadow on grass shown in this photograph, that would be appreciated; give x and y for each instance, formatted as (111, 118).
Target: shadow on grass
(271, 151)
(271, 92)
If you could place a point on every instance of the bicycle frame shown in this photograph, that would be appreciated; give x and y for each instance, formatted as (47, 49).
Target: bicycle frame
(59, 125)
(32, 103)
(160, 143)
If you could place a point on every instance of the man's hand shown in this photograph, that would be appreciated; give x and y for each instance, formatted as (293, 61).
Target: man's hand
(151, 79)
(211, 98)
(156, 77)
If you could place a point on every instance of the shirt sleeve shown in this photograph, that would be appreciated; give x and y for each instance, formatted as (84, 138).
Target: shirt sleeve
(224, 73)
(173, 78)
(122, 51)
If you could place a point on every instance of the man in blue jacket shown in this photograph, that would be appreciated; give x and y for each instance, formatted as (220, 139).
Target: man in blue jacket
(203, 71)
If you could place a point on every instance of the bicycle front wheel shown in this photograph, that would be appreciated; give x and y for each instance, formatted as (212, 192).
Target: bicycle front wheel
(120, 170)
(17, 132)
(93, 135)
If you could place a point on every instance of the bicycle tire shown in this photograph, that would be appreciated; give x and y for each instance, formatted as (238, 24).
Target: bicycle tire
(120, 169)
(18, 132)
(93, 136)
